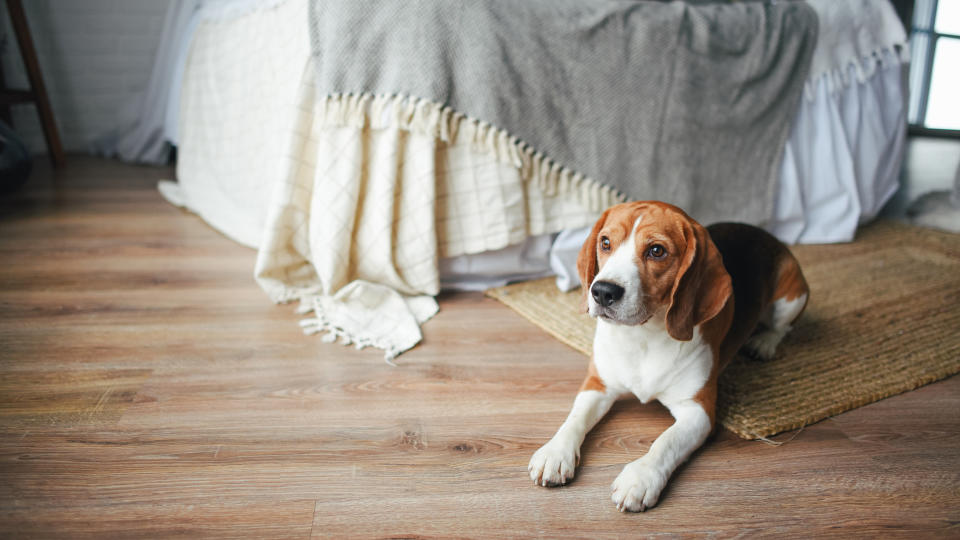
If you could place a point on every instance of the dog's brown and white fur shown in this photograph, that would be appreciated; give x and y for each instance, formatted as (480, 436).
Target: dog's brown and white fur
(674, 301)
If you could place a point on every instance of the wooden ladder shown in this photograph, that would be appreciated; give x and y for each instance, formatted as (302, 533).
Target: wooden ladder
(37, 93)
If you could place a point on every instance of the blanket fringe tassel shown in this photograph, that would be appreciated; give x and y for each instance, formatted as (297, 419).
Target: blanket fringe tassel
(839, 78)
(319, 324)
(397, 111)
(316, 326)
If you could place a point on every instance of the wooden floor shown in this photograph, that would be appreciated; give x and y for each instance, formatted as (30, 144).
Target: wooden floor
(148, 387)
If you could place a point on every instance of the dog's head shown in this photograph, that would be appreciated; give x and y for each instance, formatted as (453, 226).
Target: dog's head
(650, 259)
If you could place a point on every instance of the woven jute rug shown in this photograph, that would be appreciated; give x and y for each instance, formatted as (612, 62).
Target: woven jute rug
(883, 318)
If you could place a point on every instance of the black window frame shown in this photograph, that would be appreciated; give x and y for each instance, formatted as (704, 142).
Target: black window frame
(928, 28)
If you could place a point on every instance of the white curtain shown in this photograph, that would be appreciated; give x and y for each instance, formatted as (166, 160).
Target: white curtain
(146, 137)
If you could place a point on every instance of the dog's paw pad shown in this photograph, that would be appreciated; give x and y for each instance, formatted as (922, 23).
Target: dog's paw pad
(637, 488)
(553, 464)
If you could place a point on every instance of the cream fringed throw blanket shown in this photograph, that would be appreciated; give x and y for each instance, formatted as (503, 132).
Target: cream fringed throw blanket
(388, 185)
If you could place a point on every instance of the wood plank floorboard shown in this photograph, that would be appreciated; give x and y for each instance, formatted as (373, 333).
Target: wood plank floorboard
(149, 388)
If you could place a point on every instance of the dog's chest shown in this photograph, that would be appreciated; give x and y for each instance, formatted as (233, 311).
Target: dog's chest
(646, 361)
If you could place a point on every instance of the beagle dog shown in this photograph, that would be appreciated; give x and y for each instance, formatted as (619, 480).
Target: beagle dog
(674, 302)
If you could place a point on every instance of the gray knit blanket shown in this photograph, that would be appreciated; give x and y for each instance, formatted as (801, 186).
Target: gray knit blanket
(686, 103)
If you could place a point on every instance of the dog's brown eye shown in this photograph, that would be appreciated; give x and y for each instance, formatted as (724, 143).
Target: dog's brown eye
(656, 251)
(604, 243)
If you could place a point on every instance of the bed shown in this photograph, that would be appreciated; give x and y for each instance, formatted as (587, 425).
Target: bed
(488, 208)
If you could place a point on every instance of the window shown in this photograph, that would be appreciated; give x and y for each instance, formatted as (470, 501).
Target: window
(935, 65)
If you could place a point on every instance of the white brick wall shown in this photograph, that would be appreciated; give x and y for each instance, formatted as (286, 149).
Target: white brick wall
(96, 57)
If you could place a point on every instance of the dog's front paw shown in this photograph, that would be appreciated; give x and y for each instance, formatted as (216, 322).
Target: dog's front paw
(638, 487)
(553, 464)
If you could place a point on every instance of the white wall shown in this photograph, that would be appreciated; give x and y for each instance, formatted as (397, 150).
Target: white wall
(96, 57)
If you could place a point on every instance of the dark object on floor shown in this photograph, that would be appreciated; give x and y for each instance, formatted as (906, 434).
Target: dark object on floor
(15, 162)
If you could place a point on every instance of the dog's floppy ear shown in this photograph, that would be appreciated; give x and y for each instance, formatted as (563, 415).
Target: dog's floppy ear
(587, 259)
(702, 286)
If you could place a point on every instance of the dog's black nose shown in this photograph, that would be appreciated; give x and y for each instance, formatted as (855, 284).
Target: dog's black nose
(605, 293)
